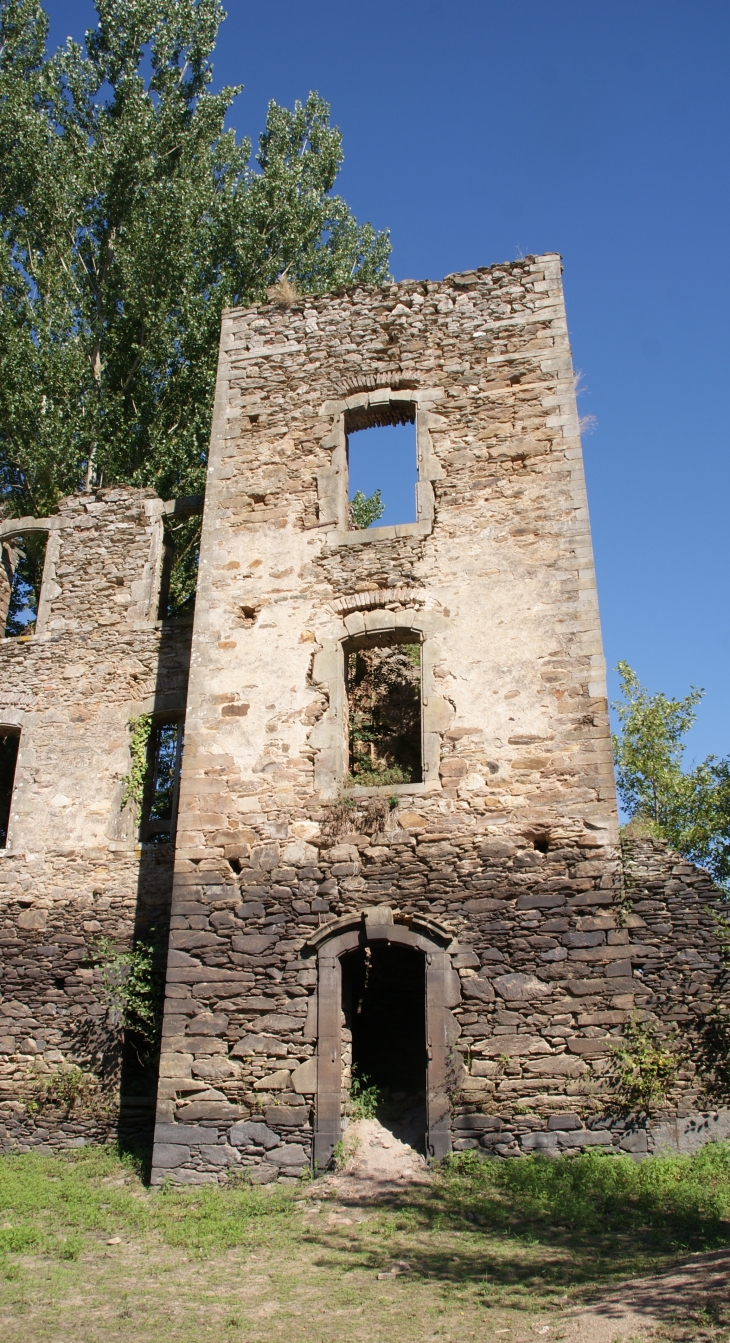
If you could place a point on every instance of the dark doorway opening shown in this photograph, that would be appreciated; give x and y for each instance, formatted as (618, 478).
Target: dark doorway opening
(9, 742)
(384, 1002)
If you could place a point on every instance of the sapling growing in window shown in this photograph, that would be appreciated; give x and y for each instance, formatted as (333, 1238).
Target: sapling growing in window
(366, 509)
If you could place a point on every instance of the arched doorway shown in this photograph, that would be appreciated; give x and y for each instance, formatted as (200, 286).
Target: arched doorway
(384, 1013)
(366, 953)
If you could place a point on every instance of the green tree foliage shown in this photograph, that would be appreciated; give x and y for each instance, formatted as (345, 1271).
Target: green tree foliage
(130, 217)
(689, 808)
(365, 509)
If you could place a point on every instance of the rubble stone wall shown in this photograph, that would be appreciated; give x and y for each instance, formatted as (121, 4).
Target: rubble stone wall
(73, 872)
(511, 842)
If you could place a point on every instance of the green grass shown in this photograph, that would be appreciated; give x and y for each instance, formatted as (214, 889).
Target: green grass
(54, 1201)
(490, 1245)
(675, 1201)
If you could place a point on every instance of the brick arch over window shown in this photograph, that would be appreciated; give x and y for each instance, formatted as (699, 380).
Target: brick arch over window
(380, 924)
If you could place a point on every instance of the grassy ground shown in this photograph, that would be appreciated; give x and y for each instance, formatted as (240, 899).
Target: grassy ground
(488, 1251)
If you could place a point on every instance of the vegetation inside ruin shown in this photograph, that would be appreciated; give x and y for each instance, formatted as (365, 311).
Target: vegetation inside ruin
(384, 698)
(133, 986)
(366, 509)
(180, 572)
(87, 1252)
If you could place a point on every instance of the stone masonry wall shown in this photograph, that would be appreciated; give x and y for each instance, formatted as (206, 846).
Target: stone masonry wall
(511, 840)
(73, 872)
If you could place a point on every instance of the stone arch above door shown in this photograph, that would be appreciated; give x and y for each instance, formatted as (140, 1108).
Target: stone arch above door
(329, 944)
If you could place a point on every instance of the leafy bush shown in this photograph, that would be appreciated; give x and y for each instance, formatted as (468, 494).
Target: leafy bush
(133, 984)
(364, 1098)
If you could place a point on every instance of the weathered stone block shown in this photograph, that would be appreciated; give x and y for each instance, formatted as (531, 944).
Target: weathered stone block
(519, 987)
(289, 1155)
(287, 1116)
(304, 1078)
(169, 1155)
(251, 1134)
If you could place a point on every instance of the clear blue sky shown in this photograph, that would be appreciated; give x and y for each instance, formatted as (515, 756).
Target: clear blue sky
(481, 130)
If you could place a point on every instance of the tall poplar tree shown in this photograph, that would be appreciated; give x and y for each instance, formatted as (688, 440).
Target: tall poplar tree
(129, 218)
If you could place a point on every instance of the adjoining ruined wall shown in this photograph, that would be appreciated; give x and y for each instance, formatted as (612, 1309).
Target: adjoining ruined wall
(510, 841)
(73, 872)
(652, 955)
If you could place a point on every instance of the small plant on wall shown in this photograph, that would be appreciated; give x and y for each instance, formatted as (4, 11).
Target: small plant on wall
(70, 1090)
(133, 988)
(646, 1067)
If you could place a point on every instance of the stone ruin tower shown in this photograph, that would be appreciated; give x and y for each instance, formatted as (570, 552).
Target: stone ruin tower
(461, 940)
(390, 858)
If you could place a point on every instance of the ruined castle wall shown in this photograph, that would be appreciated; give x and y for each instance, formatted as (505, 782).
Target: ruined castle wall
(73, 872)
(496, 579)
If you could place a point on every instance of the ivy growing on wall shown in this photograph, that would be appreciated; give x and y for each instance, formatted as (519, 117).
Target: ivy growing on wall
(133, 988)
(134, 781)
(646, 1067)
(713, 1062)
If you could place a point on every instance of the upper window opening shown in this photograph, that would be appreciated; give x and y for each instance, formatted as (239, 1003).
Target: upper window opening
(384, 702)
(21, 575)
(162, 782)
(382, 465)
(180, 559)
(9, 742)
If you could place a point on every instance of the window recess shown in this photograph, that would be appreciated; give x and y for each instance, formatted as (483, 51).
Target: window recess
(181, 527)
(348, 487)
(9, 743)
(162, 781)
(21, 575)
(383, 688)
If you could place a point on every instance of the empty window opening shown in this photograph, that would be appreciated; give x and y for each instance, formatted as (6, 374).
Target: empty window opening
(542, 843)
(382, 465)
(21, 575)
(384, 1004)
(9, 742)
(180, 559)
(162, 782)
(384, 710)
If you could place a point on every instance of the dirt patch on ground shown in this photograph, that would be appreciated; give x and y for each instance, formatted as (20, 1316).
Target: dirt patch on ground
(695, 1297)
(376, 1164)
